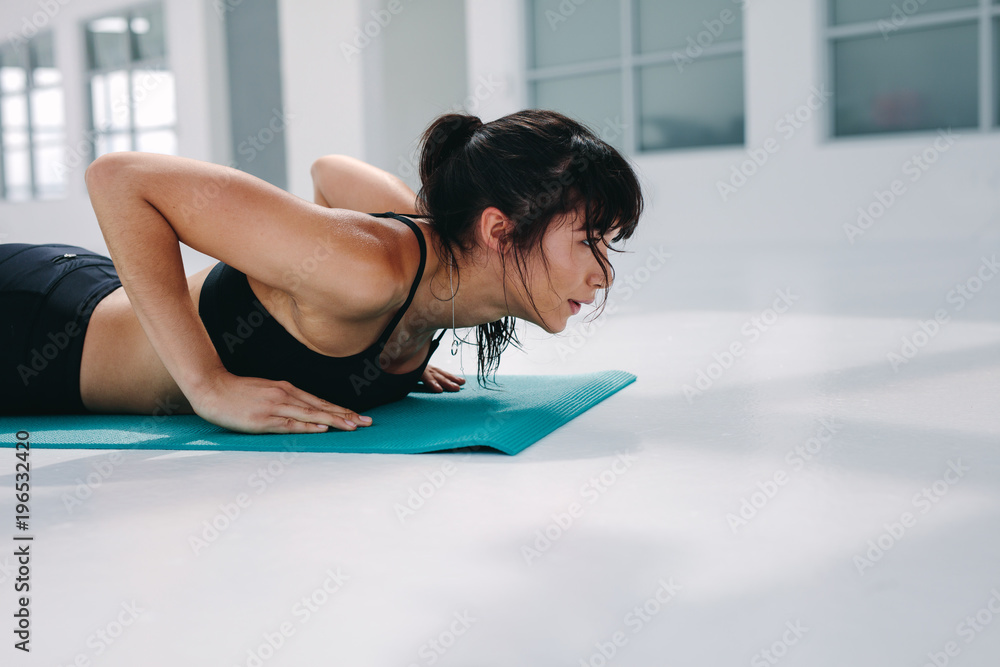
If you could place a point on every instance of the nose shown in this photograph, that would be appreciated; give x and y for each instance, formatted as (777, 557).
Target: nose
(597, 278)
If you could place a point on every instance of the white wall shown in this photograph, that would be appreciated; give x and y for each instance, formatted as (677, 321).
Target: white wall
(415, 70)
(365, 78)
(811, 187)
(194, 50)
(322, 87)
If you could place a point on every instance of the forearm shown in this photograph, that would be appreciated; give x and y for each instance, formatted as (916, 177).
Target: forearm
(146, 252)
(344, 182)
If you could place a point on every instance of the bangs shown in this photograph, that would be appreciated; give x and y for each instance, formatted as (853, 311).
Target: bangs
(610, 197)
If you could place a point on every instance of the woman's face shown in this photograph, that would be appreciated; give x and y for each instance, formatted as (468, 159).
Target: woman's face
(574, 275)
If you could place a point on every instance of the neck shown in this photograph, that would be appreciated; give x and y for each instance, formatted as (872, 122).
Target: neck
(477, 286)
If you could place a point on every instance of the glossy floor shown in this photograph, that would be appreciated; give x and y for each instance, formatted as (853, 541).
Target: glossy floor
(806, 472)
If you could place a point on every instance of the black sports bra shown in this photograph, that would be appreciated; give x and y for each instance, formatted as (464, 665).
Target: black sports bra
(252, 343)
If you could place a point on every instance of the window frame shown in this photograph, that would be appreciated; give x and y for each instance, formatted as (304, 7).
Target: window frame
(983, 16)
(28, 55)
(161, 63)
(627, 64)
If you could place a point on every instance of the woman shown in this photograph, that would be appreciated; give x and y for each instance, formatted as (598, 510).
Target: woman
(308, 303)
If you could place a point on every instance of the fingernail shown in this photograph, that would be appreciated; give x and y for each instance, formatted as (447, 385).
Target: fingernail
(366, 419)
(350, 423)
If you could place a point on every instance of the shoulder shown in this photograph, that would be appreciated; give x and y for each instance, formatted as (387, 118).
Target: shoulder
(362, 271)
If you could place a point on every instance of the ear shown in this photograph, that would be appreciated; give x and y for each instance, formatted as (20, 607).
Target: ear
(494, 230)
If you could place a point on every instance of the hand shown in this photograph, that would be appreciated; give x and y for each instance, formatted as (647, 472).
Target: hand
(256, 405)
(437, 380)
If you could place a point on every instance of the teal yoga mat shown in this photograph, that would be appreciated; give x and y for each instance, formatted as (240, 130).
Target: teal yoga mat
(528, 408)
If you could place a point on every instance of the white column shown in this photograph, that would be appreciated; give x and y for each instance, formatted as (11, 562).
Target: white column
(782, 62)
(323, 87)
(495, 34)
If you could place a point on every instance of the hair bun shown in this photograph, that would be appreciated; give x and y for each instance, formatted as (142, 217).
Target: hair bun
(445, 137)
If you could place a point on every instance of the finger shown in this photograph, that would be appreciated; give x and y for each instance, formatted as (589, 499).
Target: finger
(289, 425)
(447, 381)
(328, 407)
(309, 414)
(454, 378)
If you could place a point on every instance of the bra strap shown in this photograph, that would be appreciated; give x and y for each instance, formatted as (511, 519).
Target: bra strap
(384, 338)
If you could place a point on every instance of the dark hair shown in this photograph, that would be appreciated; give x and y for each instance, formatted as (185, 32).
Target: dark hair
(532, 165)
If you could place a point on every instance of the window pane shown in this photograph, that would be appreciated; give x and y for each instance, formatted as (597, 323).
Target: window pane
(996, 68)
(47, 109)
(46, 76)
(593, 99)
(12, 79)
(50, 171)
(15, 139)
(48, 138)
(699, 106)
(675, 25)
(15, 164)
(147, 33)
(163, 141)
(107, 42)
(565, 32)
(43, 64)
(916, 80)
(153, 95)
(13, 73)
(117, 102)
(11, 55)
(852, 11)
(111, 143)
(42, 51)
(14, 111)
(109, 100)
(98, 101)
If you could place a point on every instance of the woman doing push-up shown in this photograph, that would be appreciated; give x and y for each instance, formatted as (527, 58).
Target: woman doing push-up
(314, 313)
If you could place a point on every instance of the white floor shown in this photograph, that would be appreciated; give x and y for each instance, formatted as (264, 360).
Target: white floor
(770, 514)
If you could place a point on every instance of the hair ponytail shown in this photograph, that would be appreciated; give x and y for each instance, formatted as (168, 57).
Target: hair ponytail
(446, 137)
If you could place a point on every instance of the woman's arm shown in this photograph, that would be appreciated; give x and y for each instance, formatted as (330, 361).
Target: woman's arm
(340, 181)
(146, 204)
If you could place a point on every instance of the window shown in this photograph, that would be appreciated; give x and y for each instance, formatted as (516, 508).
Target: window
(647, 75)
(914, 65)
(131, 88)
(32, 121)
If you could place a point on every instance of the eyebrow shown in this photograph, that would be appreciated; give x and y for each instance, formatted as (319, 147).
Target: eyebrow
(611, 232)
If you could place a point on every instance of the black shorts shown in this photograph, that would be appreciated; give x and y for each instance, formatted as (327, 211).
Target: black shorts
(47, 295)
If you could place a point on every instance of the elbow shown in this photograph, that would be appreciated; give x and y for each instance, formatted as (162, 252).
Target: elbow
(106, 169)
(325, 165)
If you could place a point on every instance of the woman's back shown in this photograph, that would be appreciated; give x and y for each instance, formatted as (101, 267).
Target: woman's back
(121, 372)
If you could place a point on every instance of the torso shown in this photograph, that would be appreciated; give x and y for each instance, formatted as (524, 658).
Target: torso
(121, 372)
